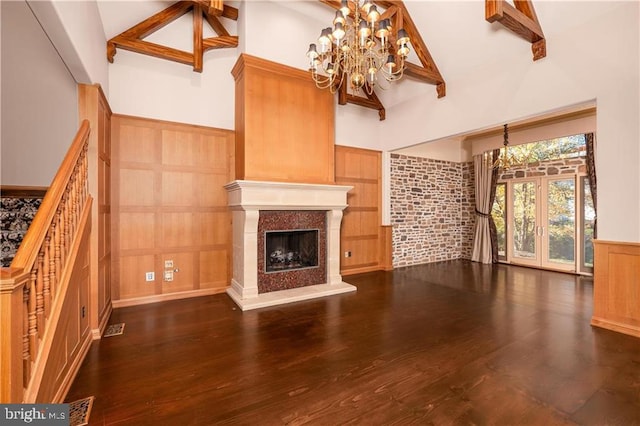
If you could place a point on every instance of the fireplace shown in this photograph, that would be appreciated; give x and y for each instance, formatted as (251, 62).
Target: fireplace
(286, 251)
(286, 242)
(292, 249)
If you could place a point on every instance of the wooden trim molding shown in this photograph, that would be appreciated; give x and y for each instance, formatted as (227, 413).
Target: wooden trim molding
(166, 297)
(209, 10)
(10, 191)
(616, 286)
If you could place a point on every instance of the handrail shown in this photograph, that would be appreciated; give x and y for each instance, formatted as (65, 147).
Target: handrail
(43, 257)
(27, 253)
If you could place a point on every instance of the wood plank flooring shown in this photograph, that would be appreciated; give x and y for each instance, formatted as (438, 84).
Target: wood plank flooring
(446, 343)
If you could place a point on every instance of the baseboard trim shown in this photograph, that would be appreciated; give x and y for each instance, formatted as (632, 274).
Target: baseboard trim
(362, 270)
(97, 333)
(23, 191)
(629, 329)
(166, 297)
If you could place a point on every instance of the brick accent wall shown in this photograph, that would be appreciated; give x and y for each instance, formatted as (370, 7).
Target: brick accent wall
(432, 210)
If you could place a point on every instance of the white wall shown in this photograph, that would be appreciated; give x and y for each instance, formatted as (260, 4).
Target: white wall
(592, 53)
(39, 101)
(75, 28)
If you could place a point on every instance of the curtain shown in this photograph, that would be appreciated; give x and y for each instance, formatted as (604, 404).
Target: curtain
(591, 174)
(483, 170)
(493, 231)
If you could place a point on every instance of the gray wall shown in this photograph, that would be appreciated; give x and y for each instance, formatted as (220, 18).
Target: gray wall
(39, 101)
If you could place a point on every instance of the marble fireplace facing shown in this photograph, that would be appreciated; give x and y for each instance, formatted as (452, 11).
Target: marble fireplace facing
(305, 217)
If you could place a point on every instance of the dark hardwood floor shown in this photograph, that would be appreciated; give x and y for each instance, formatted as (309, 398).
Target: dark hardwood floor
(447, 343)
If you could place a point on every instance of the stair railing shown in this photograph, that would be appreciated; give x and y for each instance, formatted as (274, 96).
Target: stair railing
(29, 287)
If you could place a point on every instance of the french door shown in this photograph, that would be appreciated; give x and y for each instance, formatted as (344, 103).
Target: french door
(541, 217)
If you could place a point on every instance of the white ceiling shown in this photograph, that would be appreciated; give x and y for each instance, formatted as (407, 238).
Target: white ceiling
(456, 54)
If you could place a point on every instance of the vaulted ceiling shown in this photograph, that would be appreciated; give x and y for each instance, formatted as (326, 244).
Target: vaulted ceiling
(210, 31)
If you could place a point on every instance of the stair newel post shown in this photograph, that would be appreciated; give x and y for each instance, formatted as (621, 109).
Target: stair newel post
(12, 334)
(39, 294)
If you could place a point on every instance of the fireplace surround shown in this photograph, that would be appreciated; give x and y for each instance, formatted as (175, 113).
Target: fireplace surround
(246, 200)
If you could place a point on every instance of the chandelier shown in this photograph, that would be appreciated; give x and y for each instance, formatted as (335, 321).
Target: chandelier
(359, 48)
(506, 159)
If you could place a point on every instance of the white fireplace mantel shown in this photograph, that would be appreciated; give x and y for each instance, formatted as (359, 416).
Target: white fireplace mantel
(246, 199)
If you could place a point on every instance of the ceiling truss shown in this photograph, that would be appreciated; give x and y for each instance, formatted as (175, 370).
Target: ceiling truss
(521, 19)
(209, 10)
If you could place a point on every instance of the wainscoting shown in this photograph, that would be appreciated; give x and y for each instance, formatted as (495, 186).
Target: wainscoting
(367, 243)
(616, 292)
(169, 203)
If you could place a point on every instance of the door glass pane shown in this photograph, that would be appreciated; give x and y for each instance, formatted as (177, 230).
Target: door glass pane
(589, 219)
(499, 213)
(524, 220)
(561, 220)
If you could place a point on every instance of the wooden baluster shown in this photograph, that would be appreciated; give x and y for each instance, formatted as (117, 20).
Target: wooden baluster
(45, 274)
(64, 226)
(53, 283)
(33, 325)
(85, 175)
(74, 202)
(68, 230)
(39, 294)
(58, 242)
(26, 354)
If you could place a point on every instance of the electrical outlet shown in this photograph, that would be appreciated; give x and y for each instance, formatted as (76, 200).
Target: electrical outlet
(150, 276)
(168, 275)
(168, 264)
(347, 254)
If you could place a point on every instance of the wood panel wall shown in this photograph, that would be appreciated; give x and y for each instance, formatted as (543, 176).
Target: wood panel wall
(93, 106)
(284, 124)
(362, 235)
(169, 203)
(616, 286)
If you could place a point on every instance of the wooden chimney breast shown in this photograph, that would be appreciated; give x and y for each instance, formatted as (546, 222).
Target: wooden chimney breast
(284, 124)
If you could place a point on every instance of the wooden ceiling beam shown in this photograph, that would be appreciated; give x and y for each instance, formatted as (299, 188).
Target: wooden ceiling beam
(216, 25)
(221, 42)
(155, 50)
(198, 51)
(521, 20)
(131, 39)
(159, 20)
(226, 12)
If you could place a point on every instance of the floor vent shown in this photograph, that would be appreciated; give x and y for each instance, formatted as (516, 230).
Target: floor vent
(79, 411)
(114, 330)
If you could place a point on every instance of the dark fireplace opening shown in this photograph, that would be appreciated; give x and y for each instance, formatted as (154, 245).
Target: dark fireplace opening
(291, 250)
